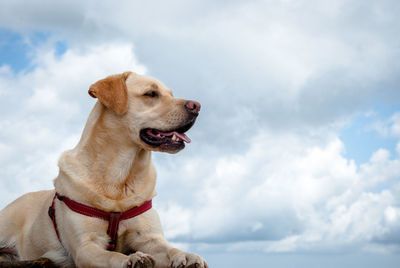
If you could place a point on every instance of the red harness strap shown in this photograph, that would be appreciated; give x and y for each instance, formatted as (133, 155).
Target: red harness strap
(113, 218)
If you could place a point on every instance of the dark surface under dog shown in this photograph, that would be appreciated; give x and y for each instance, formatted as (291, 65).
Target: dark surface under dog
(46, 263)
(43, 262)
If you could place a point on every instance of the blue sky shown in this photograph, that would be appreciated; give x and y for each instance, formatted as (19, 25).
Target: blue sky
(295, 159)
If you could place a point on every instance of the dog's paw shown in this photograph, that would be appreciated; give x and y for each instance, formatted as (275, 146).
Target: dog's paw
(187, 260)
(139, 260)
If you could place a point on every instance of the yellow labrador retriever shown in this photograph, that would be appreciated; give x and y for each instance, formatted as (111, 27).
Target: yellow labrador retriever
(109, 173)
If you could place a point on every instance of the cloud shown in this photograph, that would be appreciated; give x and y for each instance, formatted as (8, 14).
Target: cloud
(291, 57)
(285, 193)
(389, 127)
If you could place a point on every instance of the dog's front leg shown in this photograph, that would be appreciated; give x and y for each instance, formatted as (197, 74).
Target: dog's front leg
(92, 254)
(150, 240)
(165, 255)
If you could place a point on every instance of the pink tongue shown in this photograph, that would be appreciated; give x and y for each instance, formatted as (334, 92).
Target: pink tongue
(182, 136)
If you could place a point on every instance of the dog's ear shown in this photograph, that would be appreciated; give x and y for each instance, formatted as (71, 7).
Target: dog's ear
(112, 92)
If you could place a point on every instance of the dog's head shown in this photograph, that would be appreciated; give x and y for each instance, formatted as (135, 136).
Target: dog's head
(147, 110)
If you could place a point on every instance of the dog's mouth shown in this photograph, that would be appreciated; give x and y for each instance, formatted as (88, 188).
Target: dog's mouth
(168, 140)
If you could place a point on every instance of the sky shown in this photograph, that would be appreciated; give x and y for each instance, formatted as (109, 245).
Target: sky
(295, 157)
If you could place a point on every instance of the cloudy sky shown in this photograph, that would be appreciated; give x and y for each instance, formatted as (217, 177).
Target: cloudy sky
(295, 158)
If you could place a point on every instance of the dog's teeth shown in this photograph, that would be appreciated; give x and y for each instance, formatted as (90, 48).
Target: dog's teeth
(174, 137)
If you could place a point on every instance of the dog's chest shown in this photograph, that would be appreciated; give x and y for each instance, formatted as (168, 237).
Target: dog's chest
(127, 235)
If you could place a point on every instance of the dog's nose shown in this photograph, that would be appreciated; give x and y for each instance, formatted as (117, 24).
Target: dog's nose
(192, 107)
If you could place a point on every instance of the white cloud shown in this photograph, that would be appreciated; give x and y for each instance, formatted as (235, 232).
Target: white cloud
(395, 128)
(392, 214)
(290, 193)
(176, 219)
(389, 127)
(292, 56)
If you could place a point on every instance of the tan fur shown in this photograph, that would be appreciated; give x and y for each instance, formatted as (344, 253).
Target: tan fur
(112, 92)
(111, 169)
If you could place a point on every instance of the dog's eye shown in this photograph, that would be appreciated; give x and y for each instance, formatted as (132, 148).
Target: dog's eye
(151, 94)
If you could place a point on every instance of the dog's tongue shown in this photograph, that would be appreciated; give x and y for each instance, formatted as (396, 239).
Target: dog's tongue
(182, 136)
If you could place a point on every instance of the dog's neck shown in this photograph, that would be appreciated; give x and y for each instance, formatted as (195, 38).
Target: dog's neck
(108, 165)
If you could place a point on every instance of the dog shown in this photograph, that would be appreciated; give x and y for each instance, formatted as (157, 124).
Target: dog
(109, 171)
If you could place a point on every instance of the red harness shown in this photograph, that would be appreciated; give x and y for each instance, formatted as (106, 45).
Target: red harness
(113, 218)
